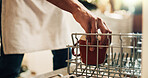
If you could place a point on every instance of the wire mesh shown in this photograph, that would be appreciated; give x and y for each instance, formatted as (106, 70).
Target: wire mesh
(123, 57)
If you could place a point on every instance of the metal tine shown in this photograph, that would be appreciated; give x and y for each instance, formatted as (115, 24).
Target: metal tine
(93, 71)
(109, 56)
(118, 59)
(81, 66)
(104, 71)
(76, 54)
(86, 55)
(130, 62)
(114, 60)
(136, 55)
(122, 58)
(76, 68)
(104, 64)
(97, 54)
(116, 69)
(84, 70)
(125, 63)
(106, 67)
(72, 39)
(112, 55)
(126, 59)
(89, 68)
(105, 61)
(121, 63)
(121, 41)
(134, 51)
(131, 58)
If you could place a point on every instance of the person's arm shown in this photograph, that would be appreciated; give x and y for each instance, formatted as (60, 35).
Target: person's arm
(84, 17)
(67, 5)
(76, 9)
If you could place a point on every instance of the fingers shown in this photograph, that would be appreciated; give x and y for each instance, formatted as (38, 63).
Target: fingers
(109, 37)
(108, 30)
(104, 29)
(88, 37)
(93, 26)
(93, 30)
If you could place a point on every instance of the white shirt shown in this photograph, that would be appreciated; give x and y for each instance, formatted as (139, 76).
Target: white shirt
(33, 25)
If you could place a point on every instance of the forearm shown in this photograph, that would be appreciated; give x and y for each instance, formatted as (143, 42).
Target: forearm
(71, 6)
(89, 22)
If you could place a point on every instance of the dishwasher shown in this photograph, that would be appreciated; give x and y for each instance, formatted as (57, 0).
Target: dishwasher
(120, 59)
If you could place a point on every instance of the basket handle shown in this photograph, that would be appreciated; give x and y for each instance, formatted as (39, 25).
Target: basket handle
(73, 50)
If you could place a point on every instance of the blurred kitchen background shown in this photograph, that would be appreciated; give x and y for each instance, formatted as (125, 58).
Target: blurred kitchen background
(122, 16)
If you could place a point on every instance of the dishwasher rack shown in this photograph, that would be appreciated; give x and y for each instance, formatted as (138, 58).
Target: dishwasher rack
(123, 57)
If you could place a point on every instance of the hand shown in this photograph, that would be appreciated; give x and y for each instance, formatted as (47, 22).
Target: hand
(104, 29)
(84, 17)
(91, 24)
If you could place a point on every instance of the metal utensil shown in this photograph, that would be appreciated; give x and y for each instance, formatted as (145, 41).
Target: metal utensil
(59, 75)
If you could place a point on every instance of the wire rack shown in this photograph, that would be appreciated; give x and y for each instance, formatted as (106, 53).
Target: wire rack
(123, 57)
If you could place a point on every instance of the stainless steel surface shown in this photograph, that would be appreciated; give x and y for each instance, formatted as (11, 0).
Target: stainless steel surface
(119, 64)
(60, 73)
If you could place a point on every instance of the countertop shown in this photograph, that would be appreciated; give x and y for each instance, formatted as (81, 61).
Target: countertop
(55, 73)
